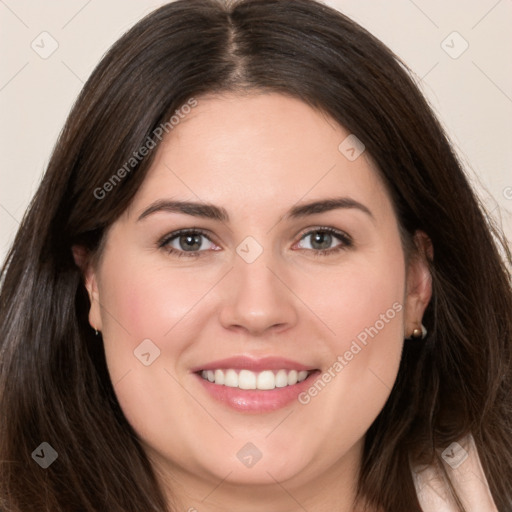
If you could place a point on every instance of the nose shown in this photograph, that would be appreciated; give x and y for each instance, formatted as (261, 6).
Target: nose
(257, 299)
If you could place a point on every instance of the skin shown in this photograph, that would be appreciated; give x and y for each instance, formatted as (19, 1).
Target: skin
(256, 156)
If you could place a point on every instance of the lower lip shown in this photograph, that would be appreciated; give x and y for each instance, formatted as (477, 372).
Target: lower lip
(256, 400)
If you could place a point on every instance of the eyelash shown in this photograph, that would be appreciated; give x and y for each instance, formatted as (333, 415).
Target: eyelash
(162, 244)
(346, 241)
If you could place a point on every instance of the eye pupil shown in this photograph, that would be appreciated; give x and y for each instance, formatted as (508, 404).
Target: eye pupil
(190, 242)
(321, 240)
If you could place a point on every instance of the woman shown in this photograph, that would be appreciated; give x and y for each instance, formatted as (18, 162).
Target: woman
(254, 277)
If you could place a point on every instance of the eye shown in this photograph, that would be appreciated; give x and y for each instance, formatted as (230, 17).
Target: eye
(187, 241)
(324, 240)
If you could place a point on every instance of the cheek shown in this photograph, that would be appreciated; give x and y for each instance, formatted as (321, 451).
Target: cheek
(370, 311)
(359, 301)
(149, 302)
(151, 315)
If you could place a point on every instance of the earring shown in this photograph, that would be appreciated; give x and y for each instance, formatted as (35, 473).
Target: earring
(419, 333)
(96, 332)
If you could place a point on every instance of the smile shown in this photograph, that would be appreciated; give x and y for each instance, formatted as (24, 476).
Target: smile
(251, 384)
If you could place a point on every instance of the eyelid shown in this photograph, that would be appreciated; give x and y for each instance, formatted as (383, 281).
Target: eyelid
(345, 242)
(342, 235)
(163, 241)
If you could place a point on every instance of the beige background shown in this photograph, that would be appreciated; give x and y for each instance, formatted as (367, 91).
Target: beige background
(472, 93)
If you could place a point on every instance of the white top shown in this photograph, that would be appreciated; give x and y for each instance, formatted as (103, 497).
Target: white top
(463, 466)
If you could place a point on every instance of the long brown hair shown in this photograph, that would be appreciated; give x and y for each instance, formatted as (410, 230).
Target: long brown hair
(54, 383)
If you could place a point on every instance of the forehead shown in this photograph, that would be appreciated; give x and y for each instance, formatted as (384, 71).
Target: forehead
(258, 150)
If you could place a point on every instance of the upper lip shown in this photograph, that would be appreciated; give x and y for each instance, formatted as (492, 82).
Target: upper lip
(254, 364)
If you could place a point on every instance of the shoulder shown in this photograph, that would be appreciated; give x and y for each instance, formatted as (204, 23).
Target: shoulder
(463, 468)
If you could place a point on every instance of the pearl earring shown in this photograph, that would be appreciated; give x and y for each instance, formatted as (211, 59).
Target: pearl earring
(419, 333)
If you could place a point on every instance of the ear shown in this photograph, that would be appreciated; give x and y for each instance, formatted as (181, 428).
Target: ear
(418, 283)
(83, 260)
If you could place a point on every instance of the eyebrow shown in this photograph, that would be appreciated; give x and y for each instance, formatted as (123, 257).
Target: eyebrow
(210, 211)
(205, 210)
(326, 205)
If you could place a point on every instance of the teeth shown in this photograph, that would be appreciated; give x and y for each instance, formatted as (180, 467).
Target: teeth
(230, 379)
(281, 379)
(245, 379)
(218, 377)
(266, 380)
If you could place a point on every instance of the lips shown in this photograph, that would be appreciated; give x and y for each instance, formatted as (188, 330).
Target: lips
(253, 364)
(255, 385)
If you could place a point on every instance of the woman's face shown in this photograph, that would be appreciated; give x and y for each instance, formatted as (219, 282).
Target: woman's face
(289, 263)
